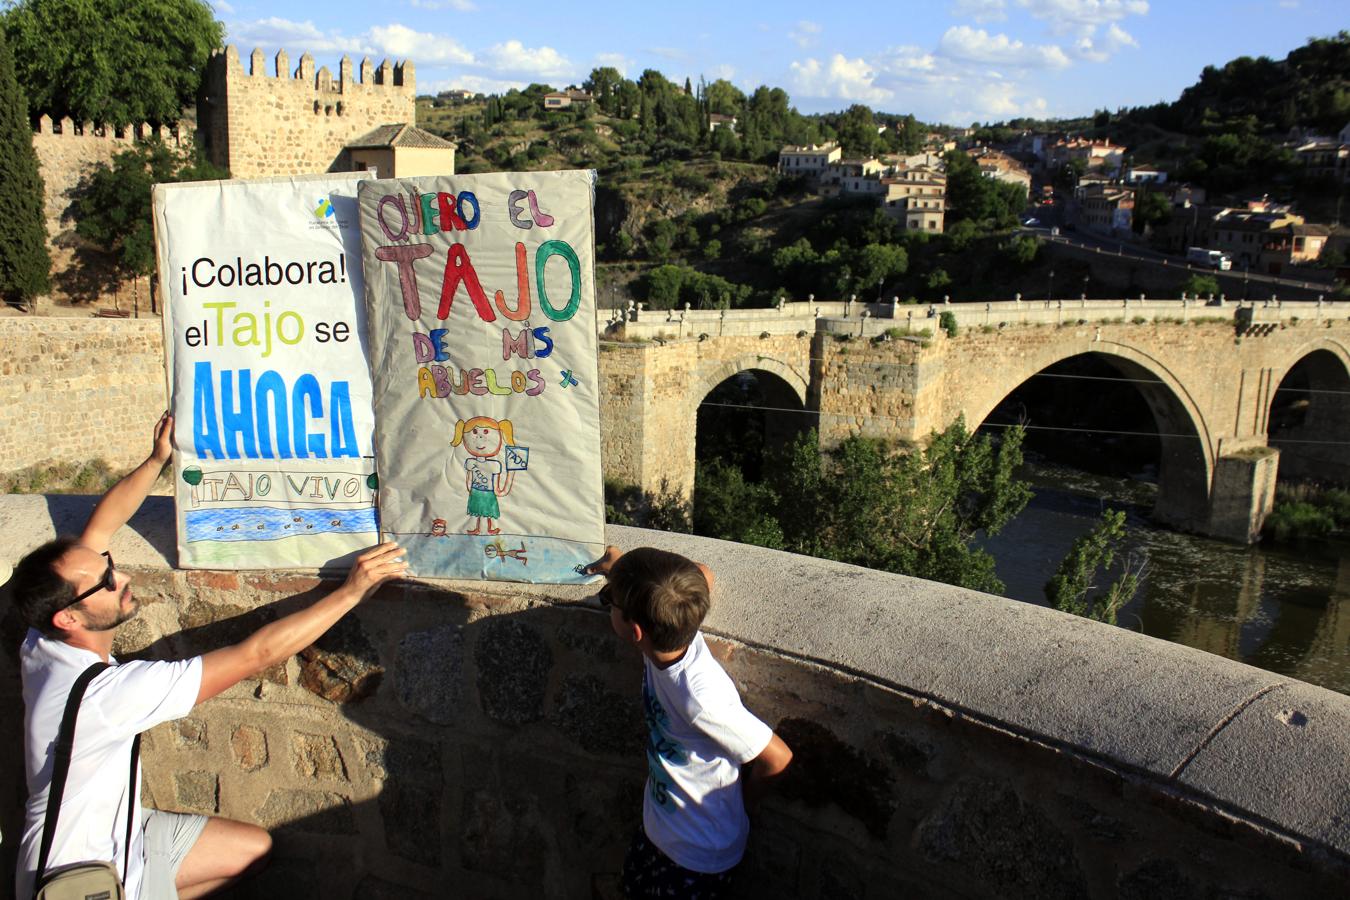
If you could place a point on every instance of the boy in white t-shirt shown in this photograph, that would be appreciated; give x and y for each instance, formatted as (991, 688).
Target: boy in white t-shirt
(699, 735)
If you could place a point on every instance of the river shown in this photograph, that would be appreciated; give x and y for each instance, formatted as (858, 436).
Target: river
(1283, 609)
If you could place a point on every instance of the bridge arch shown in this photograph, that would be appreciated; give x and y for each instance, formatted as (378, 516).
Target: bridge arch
(1187, 458)
(787, 373)
(774, 395)
(1308, 416)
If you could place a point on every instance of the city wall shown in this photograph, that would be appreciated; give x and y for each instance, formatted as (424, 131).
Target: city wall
(73, 390)
(490, 737)
(67, 152)
(296, 122)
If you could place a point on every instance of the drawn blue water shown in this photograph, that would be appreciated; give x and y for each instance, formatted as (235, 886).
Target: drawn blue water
(266, 523)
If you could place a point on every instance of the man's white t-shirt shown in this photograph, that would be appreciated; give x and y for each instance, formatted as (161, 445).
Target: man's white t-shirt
(119, 703)
(699, 734)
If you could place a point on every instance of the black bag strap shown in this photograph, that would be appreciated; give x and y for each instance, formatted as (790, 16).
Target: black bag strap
(65, 746)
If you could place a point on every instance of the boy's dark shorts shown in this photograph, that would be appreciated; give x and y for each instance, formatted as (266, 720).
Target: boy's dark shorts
(647, 872)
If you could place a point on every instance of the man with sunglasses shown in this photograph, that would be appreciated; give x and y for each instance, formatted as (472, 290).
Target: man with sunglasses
(73, 597)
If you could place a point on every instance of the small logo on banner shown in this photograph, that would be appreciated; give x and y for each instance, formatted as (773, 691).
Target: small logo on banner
(324, 210)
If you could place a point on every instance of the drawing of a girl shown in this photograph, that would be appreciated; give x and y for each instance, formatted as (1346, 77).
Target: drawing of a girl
(483, 438)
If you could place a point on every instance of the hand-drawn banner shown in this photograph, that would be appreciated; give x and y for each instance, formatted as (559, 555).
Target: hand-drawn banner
(481, 296)
(264, 342)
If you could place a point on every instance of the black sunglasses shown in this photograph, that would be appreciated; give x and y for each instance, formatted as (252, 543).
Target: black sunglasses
(107, 583)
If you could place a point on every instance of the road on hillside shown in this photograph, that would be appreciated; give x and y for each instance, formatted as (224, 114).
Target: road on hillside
(1115, 247)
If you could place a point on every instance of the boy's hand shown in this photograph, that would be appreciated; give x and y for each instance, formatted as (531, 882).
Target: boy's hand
(162, 448)
(376, 566)
(602, 565)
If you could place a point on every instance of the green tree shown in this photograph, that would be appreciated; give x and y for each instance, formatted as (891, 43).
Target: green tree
(24, 263)
(1071, 588)
(603, 84)
(915, 513)
(112, 203)
(118, 62)
(857, 129)
(1201, 285)
(1150, 209)
(724, 97)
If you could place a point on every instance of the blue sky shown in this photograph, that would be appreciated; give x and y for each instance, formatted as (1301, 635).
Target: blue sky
(954, 61)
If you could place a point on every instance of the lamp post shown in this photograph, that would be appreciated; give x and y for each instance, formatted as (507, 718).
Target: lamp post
(1085, 286)
(1050, 286)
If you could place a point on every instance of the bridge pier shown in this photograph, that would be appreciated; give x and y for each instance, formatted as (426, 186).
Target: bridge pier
(1242, 494)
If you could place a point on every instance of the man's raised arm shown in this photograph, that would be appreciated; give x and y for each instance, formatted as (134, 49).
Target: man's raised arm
(279, 640)
(125, 497)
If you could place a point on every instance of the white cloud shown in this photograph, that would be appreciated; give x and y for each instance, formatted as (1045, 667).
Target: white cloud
(615, 60)
(841, 78)
(1083, 16)
(459, 5)
(295, 37)
(514, 58)
(805, 33)
(1093, 50)
(221, 6)
(423, 48)
(977, 45)
(982, 11)
(998, 101)
(724, 71)
(476, 83)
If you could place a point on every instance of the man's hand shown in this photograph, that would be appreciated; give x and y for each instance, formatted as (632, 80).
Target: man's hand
(602, 565)
(376, 566)
(277, 641)
(162, 448)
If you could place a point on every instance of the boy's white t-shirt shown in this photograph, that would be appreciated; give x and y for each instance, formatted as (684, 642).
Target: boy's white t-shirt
(119, 703)
(699, 734)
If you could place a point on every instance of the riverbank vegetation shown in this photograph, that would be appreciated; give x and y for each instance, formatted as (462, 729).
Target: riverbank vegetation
(1306, 512)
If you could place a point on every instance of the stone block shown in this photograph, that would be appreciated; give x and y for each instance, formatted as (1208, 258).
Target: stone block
(600, 720)
(198, 791)
(1157, 879)
(1003, 844)
(190, 732)
(429, 673)
(308, 812)
(827, 770)
(248, 746)
(513, 662)
(372, 888)
(343, 665)
(410, 802)
(496, 830)
(317, 756)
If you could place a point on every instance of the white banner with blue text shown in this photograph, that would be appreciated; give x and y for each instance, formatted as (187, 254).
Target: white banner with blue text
(264, 340)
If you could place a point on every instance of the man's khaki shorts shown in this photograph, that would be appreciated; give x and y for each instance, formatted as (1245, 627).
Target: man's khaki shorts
(168, 838)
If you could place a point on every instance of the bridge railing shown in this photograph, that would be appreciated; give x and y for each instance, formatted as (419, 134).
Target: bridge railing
(789, 317)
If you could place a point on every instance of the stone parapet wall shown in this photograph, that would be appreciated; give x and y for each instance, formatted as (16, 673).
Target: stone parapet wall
(74, 390)
(488, 738)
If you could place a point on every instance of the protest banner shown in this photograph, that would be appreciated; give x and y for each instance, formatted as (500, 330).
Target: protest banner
(268, 379)
(480, 293)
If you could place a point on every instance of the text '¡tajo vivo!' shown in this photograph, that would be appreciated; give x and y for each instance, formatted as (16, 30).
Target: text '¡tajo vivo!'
(206, 272)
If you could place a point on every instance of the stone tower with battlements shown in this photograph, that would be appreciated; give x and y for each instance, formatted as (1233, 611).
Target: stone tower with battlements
(295, 122)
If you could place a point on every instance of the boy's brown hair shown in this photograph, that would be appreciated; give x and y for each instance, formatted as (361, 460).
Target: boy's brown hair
(663, 592)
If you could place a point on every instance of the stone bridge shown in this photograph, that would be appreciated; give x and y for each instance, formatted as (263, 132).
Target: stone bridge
(1208, 373)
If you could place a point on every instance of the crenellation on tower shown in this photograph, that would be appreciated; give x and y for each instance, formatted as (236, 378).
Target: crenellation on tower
(257, 63)
(300, 120)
